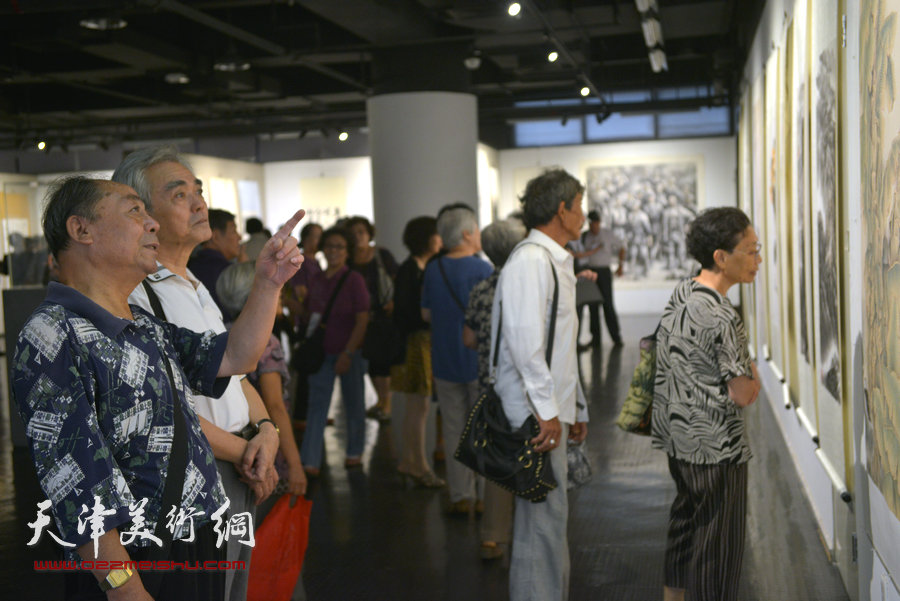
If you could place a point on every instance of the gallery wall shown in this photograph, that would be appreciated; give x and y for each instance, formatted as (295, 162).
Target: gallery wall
(713, 160)
(819, 162)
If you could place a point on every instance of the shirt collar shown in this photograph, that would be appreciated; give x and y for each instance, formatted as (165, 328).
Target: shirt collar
(559, 254)
(76, 302)
(163, 273)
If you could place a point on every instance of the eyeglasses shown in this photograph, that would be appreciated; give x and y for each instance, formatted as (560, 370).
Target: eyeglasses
(753, 253)
(334, 247)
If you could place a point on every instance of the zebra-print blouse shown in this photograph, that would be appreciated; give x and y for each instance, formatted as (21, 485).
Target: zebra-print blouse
(701, 345)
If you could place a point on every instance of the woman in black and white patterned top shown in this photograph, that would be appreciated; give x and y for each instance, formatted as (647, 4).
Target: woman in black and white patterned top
(704, 377)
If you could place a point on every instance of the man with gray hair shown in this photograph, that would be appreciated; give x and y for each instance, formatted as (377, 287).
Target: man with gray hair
(447, 283)
(237, 425)
(103, 388)
(529, 384)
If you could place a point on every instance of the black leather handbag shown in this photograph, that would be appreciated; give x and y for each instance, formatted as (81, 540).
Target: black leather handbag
(490, 447)
(308, 355)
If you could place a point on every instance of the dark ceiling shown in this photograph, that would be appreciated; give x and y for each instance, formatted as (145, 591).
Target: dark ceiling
(313, 63)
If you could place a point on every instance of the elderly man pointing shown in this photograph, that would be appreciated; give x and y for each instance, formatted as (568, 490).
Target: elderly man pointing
(104, 390)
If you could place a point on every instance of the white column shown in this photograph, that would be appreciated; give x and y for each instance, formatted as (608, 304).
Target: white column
(424, 155)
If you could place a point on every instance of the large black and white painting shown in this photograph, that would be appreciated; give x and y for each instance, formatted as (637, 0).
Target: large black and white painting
(648, 204)
(824, 202)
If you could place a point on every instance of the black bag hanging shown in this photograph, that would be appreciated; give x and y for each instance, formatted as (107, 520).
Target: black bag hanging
(490, 447)
(308, 355)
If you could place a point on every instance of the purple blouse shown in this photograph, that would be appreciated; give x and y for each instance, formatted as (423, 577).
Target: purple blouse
(352, 299)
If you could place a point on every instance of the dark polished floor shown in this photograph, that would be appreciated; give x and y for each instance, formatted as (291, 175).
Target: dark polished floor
(372, 539)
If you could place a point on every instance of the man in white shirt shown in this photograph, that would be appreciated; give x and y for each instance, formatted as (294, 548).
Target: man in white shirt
(597, 248)
(539, 568)
(243, 438)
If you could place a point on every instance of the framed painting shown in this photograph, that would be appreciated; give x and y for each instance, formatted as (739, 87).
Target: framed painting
(771, 242)
(648, 203)
(880, 166)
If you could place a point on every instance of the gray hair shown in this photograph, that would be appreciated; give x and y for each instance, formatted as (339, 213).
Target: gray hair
(453, 222)
(76, 195)
(542, 196)
(500, 238)
(131, 170)
(233, 286)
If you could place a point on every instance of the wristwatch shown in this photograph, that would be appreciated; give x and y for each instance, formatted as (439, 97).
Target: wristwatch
(115, 579)
(267, 420)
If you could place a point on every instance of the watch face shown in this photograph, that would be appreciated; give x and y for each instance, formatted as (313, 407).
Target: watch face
(116, 578)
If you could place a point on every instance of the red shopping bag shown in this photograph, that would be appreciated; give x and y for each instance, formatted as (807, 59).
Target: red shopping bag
(278, 554)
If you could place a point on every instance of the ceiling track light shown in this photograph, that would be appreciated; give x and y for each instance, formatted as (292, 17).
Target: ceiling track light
(585, 91)
(658, 60)
(514, 9)
(343, 136)
(552, 56)
(646, 5)
(652, 31)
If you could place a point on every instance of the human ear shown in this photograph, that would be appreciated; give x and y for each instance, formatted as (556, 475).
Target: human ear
(77, 228)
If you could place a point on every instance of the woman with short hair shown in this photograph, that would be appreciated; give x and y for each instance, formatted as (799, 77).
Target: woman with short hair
(378, 267)
(413, 377)
(344, 333)
(704, 377)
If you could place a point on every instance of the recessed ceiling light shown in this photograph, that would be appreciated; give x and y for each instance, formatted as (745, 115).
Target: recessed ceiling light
(104, 23)
(514, 9)
(553, 56)
(177, 78)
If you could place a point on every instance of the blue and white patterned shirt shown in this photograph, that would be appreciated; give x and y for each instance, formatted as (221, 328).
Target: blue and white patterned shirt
(93, 392)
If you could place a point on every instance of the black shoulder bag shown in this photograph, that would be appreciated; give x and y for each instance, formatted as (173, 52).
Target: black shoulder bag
(308, 355)
(489, 445)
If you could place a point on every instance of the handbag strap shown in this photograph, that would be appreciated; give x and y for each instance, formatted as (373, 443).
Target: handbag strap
(459, 304)
(551, 330)
(174, 484)
(333, 298)
(155, 304)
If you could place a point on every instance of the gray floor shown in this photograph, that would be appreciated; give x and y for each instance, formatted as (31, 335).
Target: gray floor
(372, 539)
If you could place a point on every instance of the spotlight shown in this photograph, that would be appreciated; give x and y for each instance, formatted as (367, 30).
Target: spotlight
(104, 23)
(514, 9)
(177, 78)
(343, 136)
(41, 145)
(472, 62)
(553, 56)
(585, 91)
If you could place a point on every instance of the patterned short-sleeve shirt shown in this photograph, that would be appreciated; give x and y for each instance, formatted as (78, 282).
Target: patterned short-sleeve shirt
(93, 392)
(701, 345)
(478, 318)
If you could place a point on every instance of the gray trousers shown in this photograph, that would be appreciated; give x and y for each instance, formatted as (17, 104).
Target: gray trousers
(456, 401)
(539, 567)
(241, 498)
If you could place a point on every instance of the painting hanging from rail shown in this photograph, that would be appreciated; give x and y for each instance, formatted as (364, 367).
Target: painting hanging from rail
(758, 160)
(648, 203)
(771, 243)
(745, 199)
(823, 145)
(880, 168)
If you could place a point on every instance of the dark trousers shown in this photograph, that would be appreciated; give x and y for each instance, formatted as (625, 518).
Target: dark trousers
(184, 585)
(705, 544)
(604, 282)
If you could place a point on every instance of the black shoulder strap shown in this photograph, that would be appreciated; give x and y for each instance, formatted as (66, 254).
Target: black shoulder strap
(333, 297)
(459, 304)
(178, 455)
(551, 329)
(155, 304)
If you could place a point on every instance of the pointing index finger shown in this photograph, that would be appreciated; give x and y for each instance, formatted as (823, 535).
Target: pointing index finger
(288, 227)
